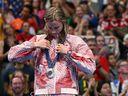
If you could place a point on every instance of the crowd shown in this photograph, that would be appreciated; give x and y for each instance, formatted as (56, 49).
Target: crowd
(102, 24)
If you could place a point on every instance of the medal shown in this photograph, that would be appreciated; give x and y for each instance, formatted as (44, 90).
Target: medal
(50, 73)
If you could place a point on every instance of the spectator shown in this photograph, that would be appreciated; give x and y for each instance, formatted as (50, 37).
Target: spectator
(102, 71)
(122, 70)
(91, 90)
(92, 44)
(26, 15)
(120, 9)
(104, 88)
(83, 26)
(67, 7)
(25, 35)
(27, 2)
(113, 66)
(125, 14)
(90, 32)
(17, 85)
(124, 89)
(97, 5)
(26, 69)
(8, 16)
(123, 46)
(8, 41)
(37, 10)
(113, 72)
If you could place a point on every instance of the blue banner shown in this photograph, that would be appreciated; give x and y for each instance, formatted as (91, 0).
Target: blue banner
(1, 3)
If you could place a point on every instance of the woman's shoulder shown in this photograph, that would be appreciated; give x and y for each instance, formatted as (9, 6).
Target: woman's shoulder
(74, 38)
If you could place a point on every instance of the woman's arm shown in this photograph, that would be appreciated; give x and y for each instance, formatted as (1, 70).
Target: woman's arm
(82, 57)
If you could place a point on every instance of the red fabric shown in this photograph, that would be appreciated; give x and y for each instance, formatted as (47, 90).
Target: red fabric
(114, 23)
(23, 37)
(104, 64)
(32, 21)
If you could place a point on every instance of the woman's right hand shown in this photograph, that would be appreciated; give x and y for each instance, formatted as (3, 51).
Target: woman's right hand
(42, 44)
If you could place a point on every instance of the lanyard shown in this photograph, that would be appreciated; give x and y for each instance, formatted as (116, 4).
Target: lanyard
(50, 63)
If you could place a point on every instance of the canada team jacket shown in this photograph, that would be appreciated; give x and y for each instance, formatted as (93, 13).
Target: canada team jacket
(65, 70)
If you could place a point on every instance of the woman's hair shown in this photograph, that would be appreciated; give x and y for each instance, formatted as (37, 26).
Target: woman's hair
(54, 13)
(100, 85)
(30, 7)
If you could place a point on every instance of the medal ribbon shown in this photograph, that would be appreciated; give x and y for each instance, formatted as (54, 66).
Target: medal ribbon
(50, 63)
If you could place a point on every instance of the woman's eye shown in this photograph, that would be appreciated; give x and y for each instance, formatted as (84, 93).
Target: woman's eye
(50, 27)
(56, 27)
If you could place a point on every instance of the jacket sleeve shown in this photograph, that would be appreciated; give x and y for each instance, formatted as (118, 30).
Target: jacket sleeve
(82, 57)
(22, 52)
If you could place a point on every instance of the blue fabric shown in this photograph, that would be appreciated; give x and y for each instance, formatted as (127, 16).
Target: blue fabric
(94, 20)
(50, 63)
(1, 3)
(17, 6)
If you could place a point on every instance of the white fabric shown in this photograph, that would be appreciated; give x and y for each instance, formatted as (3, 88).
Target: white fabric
(63, 91)
(69, 91)
(96, 1)
(41, 91)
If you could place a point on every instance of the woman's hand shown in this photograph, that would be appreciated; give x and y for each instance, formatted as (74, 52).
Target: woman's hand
(42, 44)
(92, 83)
(62, 48)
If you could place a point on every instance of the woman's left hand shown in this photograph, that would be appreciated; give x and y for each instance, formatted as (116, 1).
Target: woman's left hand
(61, 48)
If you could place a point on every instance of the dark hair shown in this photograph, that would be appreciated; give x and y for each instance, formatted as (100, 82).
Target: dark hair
(99, 36)
(91, 39)
(28, 6)
(109, 54)
(84, 2)
(100, 85)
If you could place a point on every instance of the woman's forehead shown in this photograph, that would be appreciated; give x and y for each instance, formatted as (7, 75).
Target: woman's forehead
(53, 22)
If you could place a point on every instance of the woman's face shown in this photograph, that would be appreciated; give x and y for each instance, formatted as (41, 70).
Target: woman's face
(9, 30)
(55, 27)
(123, 70)
(79, 11)
(100, 41)
(25, 12)
(110, 11)
(55, 3)
(112, 60)
(106, 90)
(36, 3)
(26, 27)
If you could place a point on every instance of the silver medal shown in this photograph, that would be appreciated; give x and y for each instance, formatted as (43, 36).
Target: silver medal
(50, 73)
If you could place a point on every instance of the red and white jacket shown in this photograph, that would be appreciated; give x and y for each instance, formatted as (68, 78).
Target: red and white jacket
(66, 69)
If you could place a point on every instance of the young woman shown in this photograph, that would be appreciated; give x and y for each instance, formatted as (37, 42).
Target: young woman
(58, 57)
